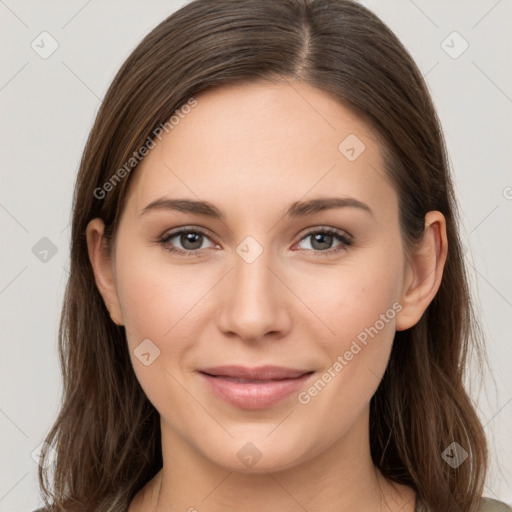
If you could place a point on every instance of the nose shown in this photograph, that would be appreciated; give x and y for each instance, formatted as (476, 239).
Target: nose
(254, 303)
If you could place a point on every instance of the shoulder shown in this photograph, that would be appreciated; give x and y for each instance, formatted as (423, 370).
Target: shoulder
(490, 505)
(486, 505)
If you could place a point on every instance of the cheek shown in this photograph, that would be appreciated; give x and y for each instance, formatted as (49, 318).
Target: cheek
(159, 306)
(359, 298)
(168, 305)
(152, 304)
(157, 298)
(360, 311)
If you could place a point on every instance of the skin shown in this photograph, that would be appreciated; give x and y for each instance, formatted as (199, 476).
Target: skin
(252, 150)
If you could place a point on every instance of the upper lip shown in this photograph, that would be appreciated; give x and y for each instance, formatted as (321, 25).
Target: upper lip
(256, 373)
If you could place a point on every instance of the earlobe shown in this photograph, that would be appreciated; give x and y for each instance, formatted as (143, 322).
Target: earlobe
(425, 271)
(101, 263)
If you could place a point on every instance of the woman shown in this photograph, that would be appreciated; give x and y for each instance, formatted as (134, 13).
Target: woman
(267, 306)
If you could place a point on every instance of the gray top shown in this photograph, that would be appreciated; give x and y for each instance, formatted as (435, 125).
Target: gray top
(488, 505)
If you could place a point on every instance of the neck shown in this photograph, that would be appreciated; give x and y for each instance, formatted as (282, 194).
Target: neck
(342, 478)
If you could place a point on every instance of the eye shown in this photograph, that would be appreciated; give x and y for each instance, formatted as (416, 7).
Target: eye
(322, 240)
(191, 241)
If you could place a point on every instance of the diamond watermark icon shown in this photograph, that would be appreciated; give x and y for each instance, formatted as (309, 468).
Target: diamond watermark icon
(454, 455)
(44, 249)
(249, 454)
(454, 45)
(146, 352)
(249, 249)
(351, 147)
(44, 45)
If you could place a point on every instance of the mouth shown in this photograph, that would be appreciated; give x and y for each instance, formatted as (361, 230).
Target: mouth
(254, 388)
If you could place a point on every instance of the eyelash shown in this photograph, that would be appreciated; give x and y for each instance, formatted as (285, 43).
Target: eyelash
(341, 236)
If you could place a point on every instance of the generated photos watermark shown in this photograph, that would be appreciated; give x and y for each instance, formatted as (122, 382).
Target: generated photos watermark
(137, 156)
(305, 397)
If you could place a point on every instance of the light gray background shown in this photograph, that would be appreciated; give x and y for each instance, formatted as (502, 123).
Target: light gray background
(47, 108)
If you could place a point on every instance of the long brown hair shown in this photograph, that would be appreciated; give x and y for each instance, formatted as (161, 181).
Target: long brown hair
(107, 435)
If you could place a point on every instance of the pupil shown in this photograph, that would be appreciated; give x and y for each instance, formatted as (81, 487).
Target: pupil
(322, 238)
(191, 238)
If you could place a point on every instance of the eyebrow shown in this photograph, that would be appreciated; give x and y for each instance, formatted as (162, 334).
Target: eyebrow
(296, 209)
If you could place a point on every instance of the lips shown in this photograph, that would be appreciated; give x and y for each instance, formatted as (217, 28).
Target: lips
(253, 388)
(260, 373)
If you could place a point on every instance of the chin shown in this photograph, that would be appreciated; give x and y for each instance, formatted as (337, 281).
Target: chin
(260, 455)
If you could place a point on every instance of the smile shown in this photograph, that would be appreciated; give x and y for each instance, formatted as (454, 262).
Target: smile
(256, 388)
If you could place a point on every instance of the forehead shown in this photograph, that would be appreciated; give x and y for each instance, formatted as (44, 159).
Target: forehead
(240, 142)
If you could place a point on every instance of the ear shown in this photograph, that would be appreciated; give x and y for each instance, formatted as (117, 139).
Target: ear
(103, 268)
(424, 271)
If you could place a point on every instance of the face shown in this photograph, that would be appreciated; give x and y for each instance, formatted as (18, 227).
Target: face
(264, 275)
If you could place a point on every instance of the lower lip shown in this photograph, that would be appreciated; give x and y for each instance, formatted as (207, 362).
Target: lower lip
(254, 395)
